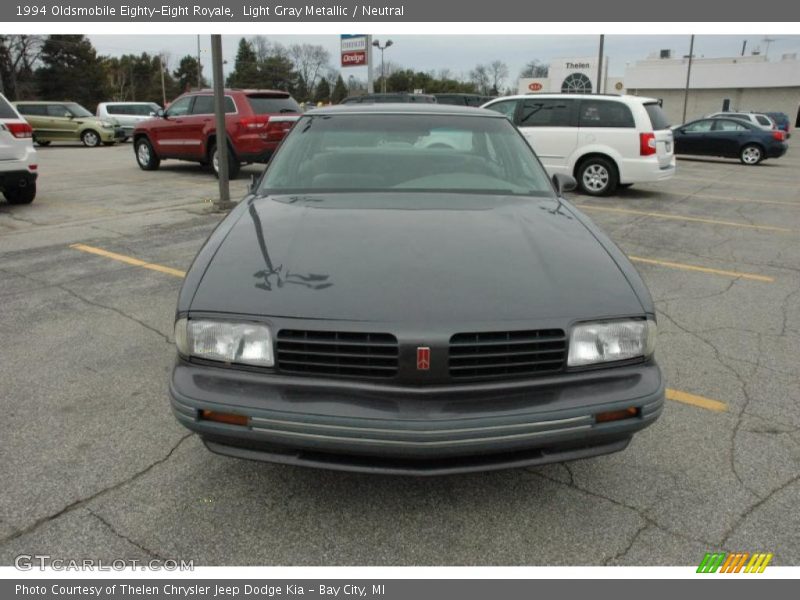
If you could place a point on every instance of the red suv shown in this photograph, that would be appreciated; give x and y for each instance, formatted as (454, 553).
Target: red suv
(256, 121)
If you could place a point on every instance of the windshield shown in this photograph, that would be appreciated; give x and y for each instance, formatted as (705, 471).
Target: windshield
(77, 110)
(408, 152)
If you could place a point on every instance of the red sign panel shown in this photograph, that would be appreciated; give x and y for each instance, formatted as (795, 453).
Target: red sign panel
(535, 86)
(423, 358)
(354, 58)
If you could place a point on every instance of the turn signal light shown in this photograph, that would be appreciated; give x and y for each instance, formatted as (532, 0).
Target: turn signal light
(227, 418)
(617, 415)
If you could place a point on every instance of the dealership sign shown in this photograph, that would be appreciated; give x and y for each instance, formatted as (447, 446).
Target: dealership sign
(535, 86)
(354, 50)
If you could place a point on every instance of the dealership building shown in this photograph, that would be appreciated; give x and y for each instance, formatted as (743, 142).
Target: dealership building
(741, 83)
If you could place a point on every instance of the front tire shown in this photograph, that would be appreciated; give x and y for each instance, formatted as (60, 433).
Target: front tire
(233, 165)
(90, 138)
(21, 195)
(597, 176)
(146, 156)
(41, 142)
(751, 155)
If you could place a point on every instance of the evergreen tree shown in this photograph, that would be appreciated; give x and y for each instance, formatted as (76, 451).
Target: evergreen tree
(339, 91)
(71, 70)
(186, 75)
(323, 91)
(245, 69)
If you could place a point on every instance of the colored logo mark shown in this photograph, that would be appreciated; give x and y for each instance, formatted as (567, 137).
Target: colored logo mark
(734, 562)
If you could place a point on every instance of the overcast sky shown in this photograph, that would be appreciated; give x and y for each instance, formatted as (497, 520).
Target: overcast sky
(460, 53)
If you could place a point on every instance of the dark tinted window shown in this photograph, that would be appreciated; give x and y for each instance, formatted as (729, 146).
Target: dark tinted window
(546, 113)
(658, 119)
(36, 110)
(265, 104)
(119, 109)
(605, 113)
(451, 99)
(6, 110)
(204, 105)
(699, 126)
(57, 110)
(763, 120)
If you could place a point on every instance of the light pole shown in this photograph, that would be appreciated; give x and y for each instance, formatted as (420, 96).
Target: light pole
(377, 44)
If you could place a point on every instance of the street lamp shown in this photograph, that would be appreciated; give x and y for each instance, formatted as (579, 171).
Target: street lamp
(377, 44)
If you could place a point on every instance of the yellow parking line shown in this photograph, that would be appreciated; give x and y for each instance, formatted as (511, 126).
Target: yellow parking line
(671, 394)
(730, 199)
(685, 267)
(129, 260)
(698, 401)
(656, 215)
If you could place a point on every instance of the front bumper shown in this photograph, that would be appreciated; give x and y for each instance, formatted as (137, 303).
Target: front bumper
(431, 430)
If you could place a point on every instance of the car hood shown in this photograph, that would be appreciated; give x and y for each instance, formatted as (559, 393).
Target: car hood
(413, 257)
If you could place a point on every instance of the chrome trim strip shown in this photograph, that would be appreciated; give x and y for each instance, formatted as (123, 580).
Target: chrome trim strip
(431, 432)
(383, 442)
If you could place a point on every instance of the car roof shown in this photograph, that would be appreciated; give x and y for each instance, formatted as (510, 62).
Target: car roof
(393, 108)
(624, 97)
(238, 90)
(126, 102)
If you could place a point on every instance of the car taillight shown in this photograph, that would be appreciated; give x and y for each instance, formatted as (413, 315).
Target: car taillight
(257, 123)
(20, 130)
(647, 144)
(779, 135)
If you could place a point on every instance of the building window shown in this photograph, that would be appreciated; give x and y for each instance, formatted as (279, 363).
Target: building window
(576, 83)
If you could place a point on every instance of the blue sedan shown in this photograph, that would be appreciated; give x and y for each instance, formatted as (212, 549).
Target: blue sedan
(729, 138)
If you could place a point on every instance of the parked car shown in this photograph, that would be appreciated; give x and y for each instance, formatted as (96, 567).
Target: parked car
(730, 138)
(256, 121)
(127, 114)
(402, 97)
(462, 99)
(760, 120)
(18, 164)
(373, 305)
(68, 122)
(782, 121)
(605, 142)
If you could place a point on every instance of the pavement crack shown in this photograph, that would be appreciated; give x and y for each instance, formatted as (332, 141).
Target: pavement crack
(619, 555)
(81, 502)
(118, 311)
(122, 536)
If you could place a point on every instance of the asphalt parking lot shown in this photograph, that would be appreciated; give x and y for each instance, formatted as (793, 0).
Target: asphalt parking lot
(93, 463)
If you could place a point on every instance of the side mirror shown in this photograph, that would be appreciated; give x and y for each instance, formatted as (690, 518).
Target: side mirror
(564, 183)
(69, 115)
(160, 113)
(151, 114)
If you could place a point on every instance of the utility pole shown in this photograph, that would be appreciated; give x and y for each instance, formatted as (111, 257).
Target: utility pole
(224, 201)
(688, 76)
(370, 81)
(163, 89)
(600, 66)
(199, 67)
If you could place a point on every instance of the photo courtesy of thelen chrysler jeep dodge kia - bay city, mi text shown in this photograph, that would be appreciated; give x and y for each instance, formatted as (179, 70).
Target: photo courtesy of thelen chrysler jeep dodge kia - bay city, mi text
(407, 291)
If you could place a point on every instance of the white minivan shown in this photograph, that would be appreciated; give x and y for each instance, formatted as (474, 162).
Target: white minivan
(604, 141)
(127, 114)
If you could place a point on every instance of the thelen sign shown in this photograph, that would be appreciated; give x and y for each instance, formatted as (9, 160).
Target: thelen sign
(354, 50)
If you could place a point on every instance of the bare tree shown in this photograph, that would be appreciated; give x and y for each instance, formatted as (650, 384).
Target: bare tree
(18, 57)
(534, 69)
(498, 72)
(480, 77)
(310, 61)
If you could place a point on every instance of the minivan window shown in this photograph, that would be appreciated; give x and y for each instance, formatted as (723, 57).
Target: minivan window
(264, 104)
(546, 113)
(605, 113)
(6, 110)
(658, 118)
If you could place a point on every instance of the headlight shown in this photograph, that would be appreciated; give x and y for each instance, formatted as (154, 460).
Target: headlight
(243, 343)
(608, 341)
(106, 124)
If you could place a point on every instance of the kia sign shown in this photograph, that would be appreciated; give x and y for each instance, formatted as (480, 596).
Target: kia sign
(354, 50)
(535, 86)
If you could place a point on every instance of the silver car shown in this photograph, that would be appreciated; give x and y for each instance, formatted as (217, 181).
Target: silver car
(760, 120)
(127, 114)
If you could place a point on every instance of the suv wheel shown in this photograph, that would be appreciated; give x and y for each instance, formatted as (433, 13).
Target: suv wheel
(145, 155)
(233, 165)
(598, 176)
(21, 195)
(751, 154)
(90, 138)
(39, 142)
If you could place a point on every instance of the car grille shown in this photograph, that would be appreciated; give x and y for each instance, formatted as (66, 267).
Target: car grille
(502, 354)
(337, 353)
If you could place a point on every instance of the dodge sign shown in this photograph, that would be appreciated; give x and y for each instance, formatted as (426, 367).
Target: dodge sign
(354, 50)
